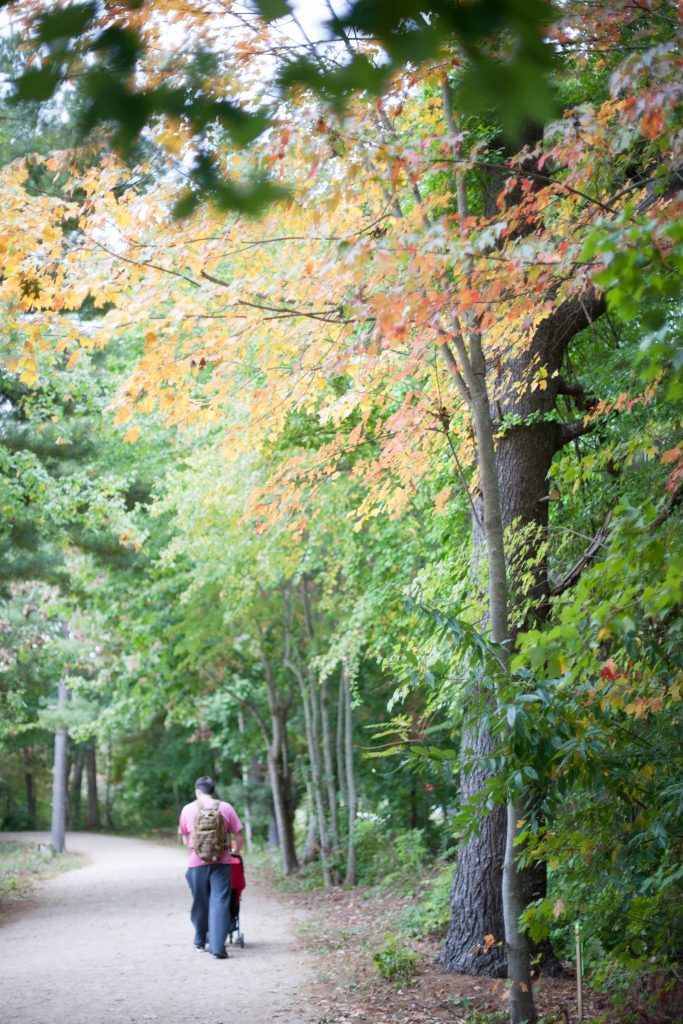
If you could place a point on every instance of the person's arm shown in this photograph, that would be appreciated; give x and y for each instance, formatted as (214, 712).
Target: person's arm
(183, 831)
(235, 828)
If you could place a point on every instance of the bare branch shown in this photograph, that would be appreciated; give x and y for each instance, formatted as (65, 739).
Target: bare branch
(587, 557)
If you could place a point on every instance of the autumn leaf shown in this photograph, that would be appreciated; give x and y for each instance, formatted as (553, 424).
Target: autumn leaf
(131, 436)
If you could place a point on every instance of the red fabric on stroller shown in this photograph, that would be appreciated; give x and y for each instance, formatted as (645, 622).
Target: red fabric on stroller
(237, 885)
(238, 880)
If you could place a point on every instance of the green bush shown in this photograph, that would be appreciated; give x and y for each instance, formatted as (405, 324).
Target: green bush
(431, 912)
(386, 856)
(395, 962)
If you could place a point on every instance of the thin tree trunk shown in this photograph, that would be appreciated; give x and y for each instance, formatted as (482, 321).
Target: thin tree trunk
(412, 806)
(279, 782)
(273, 837)
(350, 878)
(59, 776)
(341, 716)
(328, 761)
(309, 703)
(311, 843)
(247, 787)
(519, 970)
(278, 768)
(109, 791)
(316, 725)
(29, 782)
(76, 785)
(275, 780)
(93, 813)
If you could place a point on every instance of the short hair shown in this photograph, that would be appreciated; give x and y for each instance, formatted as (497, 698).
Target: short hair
(205, 784)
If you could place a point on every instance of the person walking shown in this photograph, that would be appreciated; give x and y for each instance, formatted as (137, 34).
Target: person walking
(205, 827)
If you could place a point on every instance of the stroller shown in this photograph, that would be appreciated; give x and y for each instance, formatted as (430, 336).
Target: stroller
(237, 884)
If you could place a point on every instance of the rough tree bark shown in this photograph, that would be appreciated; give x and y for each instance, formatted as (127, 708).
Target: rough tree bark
(523, 457)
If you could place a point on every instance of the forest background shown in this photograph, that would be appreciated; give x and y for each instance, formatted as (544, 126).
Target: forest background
(368, 504)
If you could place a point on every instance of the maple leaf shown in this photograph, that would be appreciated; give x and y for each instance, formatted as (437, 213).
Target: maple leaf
(131, 436)
(609, 670)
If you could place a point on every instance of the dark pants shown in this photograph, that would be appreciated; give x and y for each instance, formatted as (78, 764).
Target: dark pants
(210, 913)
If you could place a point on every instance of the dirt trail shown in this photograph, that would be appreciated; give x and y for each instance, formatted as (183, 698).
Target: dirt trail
(111, 943)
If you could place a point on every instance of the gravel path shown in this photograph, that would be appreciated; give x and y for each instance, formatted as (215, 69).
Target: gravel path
(111, 943)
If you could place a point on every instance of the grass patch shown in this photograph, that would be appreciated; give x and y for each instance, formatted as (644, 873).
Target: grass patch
(22, 865)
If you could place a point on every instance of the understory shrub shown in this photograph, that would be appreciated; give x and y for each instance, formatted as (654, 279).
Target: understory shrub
(395, 962)
(384, 856)
(430, 913)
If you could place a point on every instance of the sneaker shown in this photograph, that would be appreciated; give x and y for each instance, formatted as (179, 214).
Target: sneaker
(199, 949)
(220, 956)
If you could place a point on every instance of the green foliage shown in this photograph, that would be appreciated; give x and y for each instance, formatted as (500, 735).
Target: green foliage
(429, 913)
(641, 276)
(395, 962)
(483, 1016)
(387, 857)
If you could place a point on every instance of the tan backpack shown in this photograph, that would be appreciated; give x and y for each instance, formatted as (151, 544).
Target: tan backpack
(209, 833)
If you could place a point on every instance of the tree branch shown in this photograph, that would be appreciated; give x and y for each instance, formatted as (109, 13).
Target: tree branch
(582, 398)
(571, 431)
(587, 557)
(676, 499)
(452, 365)
(326, 316)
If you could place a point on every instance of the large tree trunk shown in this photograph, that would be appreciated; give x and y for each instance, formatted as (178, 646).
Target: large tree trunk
(523, 456)
(477, 892)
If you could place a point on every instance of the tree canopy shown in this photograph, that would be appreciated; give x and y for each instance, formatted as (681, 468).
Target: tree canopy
(369, 503)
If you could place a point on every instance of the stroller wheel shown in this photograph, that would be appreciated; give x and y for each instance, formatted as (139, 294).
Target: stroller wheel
(240, 940)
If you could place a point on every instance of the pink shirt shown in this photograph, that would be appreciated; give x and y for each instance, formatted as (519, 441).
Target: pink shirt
(187, 816)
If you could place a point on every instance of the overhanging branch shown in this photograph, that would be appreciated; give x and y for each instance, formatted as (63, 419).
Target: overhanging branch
(591, 552)
(570, 431)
